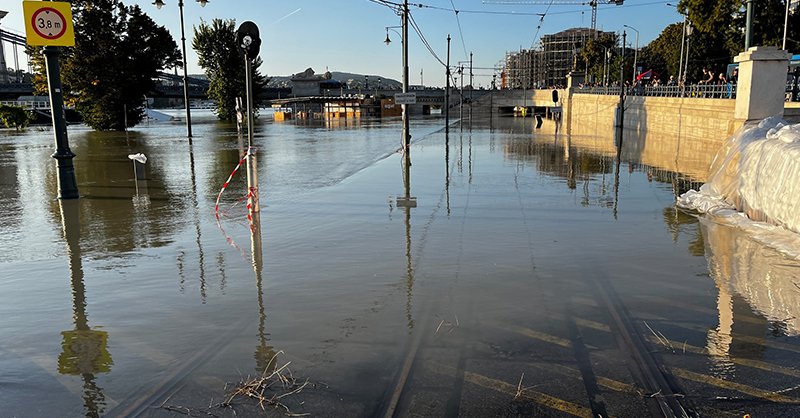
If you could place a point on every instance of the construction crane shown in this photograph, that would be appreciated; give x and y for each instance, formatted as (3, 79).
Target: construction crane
(592, 3)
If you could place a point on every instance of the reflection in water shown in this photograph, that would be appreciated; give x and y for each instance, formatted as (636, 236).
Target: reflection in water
(447, 169)
(84, 351)
(196, 208)
(757, 286)
(264, 353)
(678, 222)
(407, 202)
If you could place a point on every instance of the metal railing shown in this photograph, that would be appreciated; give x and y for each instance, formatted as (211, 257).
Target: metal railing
(30, 104)
(699, 91)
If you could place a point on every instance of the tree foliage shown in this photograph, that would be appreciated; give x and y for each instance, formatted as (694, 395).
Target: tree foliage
(720, 30)
(224, 66)
(14, 116)
(595, 54)
(663, 54)
(117, 55)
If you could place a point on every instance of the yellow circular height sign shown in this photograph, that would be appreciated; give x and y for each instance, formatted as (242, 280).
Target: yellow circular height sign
(48, 23)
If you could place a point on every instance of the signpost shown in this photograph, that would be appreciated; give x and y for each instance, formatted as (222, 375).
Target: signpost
(50, 24)
(249, 42)
(405, 98)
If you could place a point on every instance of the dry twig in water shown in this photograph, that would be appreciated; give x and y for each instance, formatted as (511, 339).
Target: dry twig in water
(255, 388)
(519, 388)
(448, 323)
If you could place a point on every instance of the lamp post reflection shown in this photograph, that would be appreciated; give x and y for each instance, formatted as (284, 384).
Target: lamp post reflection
(407, 202)
(84, 351)
(196, 206)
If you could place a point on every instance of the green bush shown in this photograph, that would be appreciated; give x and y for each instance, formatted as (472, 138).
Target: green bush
(14, 116)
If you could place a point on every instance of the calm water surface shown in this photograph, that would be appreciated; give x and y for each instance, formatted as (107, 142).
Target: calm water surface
(507, 271)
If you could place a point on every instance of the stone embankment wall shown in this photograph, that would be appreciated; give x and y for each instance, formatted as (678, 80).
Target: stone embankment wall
(676, 134)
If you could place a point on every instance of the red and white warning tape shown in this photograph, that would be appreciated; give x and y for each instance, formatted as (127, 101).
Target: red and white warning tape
(250, 193)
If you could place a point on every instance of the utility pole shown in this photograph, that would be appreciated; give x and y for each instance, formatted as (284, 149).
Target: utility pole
(461, 98)
(447, 91)
(471, 88)
(622, 89)
(406, 134)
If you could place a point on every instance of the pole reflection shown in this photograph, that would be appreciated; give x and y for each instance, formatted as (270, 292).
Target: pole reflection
(447, 169)
(407, 202)
(264, 353)
(618, 137)
(196, 207)
(84, 351)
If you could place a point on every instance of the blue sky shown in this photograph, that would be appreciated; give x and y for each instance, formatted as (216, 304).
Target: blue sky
(348, 35)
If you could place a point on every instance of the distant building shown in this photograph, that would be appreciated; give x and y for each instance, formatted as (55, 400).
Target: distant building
(307, 84)
(548, 65)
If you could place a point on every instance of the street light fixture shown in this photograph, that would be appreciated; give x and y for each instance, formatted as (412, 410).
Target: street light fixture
(159, 4)
(635, 53)
(404, 40)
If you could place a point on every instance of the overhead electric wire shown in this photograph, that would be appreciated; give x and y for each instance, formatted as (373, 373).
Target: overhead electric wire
(539, 26)
(422, 38)
(460, 32)
(491, 12)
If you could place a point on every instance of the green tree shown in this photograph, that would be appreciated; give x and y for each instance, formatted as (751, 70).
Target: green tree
(219, 56)
(663, 54)
(594, 53)
(720, 30)
(14, 116)
(117, 55)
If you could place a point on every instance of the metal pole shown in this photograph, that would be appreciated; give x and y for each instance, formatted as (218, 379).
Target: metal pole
(785, 24)
(67, 185)
(252, 169)
(471, 88)
(686, 67)
(461, 99)
(406, 134)
(635, 54)
(683, 42)
(185, 78)
(447, 91)
(748, 34)
(622, 87)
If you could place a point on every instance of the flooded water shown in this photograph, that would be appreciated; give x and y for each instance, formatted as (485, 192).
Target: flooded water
(507, 271)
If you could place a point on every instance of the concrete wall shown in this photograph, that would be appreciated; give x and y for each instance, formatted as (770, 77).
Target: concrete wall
(680, 135)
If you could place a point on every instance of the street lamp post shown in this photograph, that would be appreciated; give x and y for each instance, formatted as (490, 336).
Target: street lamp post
(635, 53)
(605, 65)
(683, 42)
(159, 4)
(785, 25)
(689, 30)
(404, 41)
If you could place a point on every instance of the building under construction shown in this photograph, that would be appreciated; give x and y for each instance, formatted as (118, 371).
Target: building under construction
(548, 65)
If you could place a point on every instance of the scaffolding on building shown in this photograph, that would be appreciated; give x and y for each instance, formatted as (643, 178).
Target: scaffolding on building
(547, 64)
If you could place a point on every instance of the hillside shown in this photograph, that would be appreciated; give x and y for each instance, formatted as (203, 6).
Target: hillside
(354, 80)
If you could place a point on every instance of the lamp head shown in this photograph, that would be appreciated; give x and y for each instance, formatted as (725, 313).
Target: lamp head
(159, 4)
(203, 2)
(387, 41)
